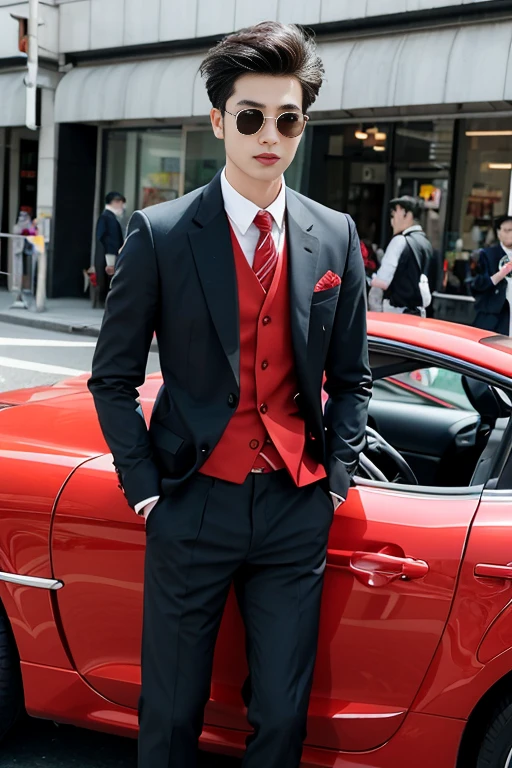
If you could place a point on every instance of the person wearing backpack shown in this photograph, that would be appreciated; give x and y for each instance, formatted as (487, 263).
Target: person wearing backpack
(402, 275)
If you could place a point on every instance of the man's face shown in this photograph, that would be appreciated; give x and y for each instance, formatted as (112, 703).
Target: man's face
(400, 219)
(118, 206)
(263, 156)
(505, 234)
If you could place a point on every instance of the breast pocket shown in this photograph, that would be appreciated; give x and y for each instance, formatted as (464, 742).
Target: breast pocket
(321, 322)
(329, 295)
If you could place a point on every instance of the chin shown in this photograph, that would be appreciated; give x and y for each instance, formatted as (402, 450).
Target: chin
(266, 172)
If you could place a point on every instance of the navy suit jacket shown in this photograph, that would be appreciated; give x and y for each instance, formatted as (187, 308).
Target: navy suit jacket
(176, 275)
(491, 306)
(109, 238)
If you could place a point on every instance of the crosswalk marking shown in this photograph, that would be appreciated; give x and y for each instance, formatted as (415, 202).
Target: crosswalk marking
(29, 365)
(9, 342)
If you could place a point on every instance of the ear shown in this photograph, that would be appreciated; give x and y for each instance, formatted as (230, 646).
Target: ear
(217, 123)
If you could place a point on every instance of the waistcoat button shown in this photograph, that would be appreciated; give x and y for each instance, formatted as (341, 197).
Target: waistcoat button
(266, 320)
(232, 400)
(254, 444)
(263, 408)
(264, 365)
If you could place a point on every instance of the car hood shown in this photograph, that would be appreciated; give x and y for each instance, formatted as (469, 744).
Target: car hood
(60, 419)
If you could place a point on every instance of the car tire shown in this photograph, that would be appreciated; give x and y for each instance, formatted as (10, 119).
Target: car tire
(496, 749)
(11, 687)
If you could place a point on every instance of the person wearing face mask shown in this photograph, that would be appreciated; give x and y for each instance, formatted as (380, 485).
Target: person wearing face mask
(109, 239)
(492, 292)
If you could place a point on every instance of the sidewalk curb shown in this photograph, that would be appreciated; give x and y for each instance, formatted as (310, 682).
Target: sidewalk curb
(55, 325)
(48, 325)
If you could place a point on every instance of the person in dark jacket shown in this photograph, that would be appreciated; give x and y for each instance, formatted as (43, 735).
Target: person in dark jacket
(109, 239)
(492, 292)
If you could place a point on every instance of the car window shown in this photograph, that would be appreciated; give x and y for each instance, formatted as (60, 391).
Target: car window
(433, 386)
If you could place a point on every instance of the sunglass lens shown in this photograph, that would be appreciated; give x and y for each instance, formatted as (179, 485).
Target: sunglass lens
(290, 124)
(249, 121)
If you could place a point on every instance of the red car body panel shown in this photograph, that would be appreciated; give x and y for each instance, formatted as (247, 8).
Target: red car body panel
(401, 663)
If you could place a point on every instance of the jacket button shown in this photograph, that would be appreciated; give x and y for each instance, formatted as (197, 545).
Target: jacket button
(266, 320)
(254, 444)
(264, 365)
(263, 408)
(232, 400)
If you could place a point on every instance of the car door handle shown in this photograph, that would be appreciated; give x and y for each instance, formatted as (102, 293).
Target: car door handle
(489, 571)
(376, 569)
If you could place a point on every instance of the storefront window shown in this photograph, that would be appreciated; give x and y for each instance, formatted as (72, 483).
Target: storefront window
(486, 167)
(422, 161)
(348, 173)
(146, 166)
(203, 158)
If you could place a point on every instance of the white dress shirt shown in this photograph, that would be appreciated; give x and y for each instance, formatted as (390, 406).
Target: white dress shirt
(241, 213)
(396, 247)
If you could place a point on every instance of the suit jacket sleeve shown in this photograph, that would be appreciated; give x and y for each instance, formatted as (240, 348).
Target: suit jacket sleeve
(348, 373)
(482, 281)
(120, 359)
(107, 233)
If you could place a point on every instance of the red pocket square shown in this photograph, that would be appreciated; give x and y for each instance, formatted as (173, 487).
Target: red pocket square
(329, 280)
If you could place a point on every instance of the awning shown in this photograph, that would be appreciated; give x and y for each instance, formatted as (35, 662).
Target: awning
(465, 68)
(12, 99)
(159, 88)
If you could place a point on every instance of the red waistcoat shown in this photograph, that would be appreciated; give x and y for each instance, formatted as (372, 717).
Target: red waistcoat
(266, 418)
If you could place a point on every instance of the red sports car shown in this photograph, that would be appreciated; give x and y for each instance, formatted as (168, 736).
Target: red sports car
(415, 656)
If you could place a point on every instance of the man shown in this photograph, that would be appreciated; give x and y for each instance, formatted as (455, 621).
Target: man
(253, 291)
(109, 239)
(493, 294)
(407, 258)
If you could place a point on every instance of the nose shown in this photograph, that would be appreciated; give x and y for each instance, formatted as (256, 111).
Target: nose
(269, 134)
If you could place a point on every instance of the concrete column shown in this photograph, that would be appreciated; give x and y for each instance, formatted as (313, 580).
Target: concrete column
(47, 159)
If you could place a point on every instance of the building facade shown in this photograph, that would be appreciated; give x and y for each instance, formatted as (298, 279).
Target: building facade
(417, 100)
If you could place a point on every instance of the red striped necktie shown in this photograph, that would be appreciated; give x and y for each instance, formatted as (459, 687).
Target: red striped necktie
(265, 256)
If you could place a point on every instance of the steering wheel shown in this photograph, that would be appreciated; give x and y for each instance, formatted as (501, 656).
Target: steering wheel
(376, 446)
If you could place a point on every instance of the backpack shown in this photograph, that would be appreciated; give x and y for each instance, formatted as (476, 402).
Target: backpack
(421, 259)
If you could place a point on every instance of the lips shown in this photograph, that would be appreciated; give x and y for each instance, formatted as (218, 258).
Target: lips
(267, 158)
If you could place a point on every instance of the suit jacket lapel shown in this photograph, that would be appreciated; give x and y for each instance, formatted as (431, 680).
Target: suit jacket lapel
(213, 255)
(304, 251)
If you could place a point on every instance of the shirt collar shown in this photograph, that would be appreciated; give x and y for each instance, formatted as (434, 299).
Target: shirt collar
(242, 211)
(112, 210)
(414, 228)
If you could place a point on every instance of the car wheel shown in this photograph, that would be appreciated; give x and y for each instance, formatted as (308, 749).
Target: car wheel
(11, 687)
(496, 749)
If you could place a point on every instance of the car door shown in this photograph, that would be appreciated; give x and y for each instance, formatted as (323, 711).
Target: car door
(393, 558)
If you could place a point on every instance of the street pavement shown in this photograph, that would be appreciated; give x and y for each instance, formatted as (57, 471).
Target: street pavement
(30, 357)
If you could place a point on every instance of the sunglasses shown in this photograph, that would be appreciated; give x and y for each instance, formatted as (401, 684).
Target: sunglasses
(251, 121)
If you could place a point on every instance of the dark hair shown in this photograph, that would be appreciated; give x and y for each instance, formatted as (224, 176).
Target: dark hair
(410, 204)
(500, 221)
(114, 196)
(269, 48)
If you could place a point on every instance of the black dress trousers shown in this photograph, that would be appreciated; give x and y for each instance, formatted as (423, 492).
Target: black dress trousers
(269, 538)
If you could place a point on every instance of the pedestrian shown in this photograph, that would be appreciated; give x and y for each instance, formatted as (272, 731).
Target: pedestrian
(492, 292)
(109, 239)
(402, 275)
(253, 291)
